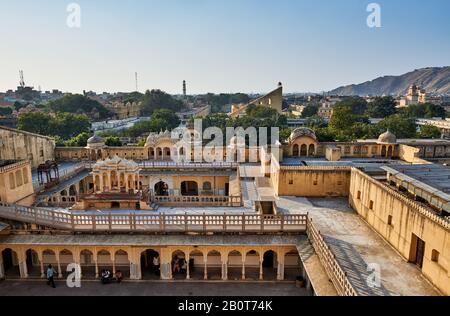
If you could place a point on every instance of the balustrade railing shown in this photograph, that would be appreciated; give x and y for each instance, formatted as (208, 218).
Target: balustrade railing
(162, 223)
(201, 200)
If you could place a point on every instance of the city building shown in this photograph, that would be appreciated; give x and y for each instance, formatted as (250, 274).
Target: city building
(417, 95)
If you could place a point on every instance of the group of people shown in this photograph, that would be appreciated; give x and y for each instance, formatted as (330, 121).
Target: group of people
(107, 276)
(179, 265)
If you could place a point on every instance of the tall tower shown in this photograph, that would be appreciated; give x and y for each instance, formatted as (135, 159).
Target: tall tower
(136, 79)
(184, 88)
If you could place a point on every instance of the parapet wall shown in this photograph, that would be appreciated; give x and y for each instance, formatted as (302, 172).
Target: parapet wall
(401, 221)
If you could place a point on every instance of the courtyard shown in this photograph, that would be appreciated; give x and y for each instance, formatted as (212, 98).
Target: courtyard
(153, 288)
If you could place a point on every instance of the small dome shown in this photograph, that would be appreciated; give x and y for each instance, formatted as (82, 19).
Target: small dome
(95, 140)
(299, 132)
(387, 138)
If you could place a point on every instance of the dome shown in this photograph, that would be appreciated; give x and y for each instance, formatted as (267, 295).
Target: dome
(387, 138)
(299, 132)
(95, 140)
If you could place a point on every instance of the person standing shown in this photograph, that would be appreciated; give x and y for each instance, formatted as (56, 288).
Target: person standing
(156, 265)
(50, 276)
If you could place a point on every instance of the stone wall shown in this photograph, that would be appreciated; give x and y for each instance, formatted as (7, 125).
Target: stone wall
(19, 145)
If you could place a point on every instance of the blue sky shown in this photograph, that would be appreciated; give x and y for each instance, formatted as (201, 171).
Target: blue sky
(217, 45)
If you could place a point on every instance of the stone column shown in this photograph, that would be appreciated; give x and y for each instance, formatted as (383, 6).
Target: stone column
(58, 261)
(166, 264)
(21, 256)
(243, 269)
(205, 275)
(102, 185)
(96, 263)
(224, 267)
(41, 262)
(280, 269)
(114, 266)
(126, 178)
(188, 272)
(261, 269)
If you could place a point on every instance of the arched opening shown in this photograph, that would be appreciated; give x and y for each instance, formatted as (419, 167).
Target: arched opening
(150, 265)
(383, 151)
(207, 188)
(270, 265)
(235, 265)
(161, 189)
(214, 265)
(159, 154)
(312, 150)
(304, 151)
(104, 261)
(167, 153)
(33, 263)
(105, 182)
(252, 265)
(189, 188)
(122, 180)
(295, 151)
(49, 258)
(87, 264)
(122, 263)
(73, 190)
(99, 154)
(65, 258)
(179, 265)
(196, 265)
(114, 181)
(151, 153)
(292, 265)
(10, 263)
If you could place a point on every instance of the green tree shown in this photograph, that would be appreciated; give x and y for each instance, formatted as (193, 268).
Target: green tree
(342, 119)
(316, 122)
(78, 141)
(68, 125)
(36, 122)
(429, 132)
(113, 141)
(157, 99)
(381, 107)
(357, 104)
(427, 110)
(402, 127)
(310, 110)
(76, 103)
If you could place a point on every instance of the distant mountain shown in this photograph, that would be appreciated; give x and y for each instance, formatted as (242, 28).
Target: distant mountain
(433, 80)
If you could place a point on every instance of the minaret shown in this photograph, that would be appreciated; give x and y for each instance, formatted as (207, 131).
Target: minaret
(184, 88)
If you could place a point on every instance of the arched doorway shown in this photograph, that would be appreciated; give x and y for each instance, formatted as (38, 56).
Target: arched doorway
(161, 189)
(383, 151)
(214, 265)
(73, 190)
(87, 264)
(179, 265)
(122, 263)
(49, 257)
(295, 151)
(33, 264)
(189, 188)
(196, 265)
(304, 151)
(10, 263)
(148, 269)
(114, 180)
(104, 261)
(252, 265)
(270, 265)
(235, 265)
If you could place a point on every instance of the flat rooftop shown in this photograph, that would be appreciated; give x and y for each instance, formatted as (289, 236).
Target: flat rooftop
(436, 176)
(356, 246)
